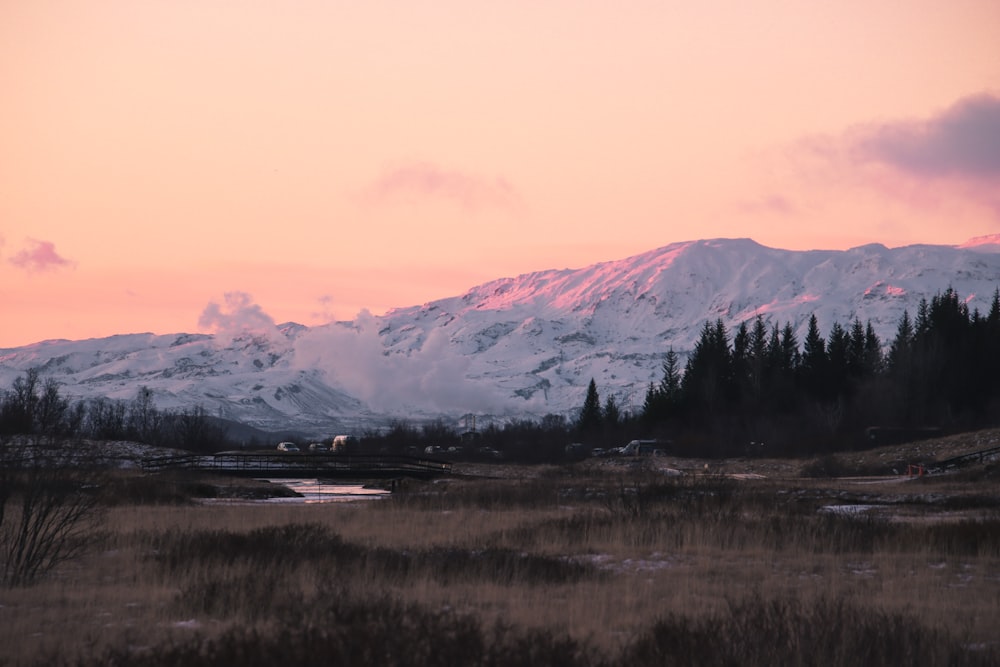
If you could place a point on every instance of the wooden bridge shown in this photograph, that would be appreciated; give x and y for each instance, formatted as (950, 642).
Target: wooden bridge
(285, 465)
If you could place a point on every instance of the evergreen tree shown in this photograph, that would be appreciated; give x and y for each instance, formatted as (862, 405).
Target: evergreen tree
(707, 381)
(590, 414)
(612, 415)
(993, 317)
(922, 323)
(900, 356)
(838, 360)
(759, 360)
(901, 370)
(813, 369)
(872, 359)
(652, 411)
(741, 360)
(856, 350)
(942, 347)
(774, 353)
(790, 356)
(670, 385)
(663, 400)
(785, 359)
(991, 354)
(949, 317)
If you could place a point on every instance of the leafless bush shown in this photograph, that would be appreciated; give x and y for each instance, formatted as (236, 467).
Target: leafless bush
(48, 506)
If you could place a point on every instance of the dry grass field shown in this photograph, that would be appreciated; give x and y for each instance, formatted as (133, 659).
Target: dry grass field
(603, 562)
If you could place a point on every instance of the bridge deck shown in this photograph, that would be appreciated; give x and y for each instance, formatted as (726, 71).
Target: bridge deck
(292, 465)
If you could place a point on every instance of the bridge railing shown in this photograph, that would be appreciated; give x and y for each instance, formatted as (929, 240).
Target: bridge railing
(305, 465)
(980, 456)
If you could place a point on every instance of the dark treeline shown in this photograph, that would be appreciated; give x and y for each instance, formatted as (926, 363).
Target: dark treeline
(759, 389)
(33, 407)
(522, 440)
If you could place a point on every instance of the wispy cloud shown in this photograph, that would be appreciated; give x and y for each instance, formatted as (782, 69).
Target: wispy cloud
(769, 204)
(425, 180)
(39, 256)
(963, 141)
(325, 312)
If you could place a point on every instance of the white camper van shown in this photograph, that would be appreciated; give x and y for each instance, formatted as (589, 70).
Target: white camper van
(342, 442)
(642, 448)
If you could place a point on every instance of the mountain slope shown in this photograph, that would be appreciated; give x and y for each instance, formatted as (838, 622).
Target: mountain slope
(542, 336)
(523, 346)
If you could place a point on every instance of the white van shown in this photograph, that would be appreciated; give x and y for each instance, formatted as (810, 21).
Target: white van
(640, 448)
(341, 442)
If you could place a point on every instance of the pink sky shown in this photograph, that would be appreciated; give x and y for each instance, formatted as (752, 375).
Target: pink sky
(327, 157)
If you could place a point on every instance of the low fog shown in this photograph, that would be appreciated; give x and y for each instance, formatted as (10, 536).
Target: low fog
(354, 360)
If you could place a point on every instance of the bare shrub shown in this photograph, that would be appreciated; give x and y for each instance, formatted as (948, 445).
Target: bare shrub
(48, 508)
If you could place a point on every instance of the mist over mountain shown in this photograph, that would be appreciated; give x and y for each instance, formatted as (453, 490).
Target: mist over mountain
(514, 347)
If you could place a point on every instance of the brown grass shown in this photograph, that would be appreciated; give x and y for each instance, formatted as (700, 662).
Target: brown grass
(600, 567)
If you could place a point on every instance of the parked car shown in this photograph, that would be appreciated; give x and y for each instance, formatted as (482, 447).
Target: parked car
(287, 447)
(319, 447)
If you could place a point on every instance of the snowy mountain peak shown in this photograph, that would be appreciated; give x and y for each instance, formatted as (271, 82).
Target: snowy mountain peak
(522, 346)
(988, 243)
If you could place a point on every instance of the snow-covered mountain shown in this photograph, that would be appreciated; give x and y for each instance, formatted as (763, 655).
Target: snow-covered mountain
(523, 346)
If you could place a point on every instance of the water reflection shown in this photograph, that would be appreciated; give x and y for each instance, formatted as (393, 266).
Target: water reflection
(314, 491)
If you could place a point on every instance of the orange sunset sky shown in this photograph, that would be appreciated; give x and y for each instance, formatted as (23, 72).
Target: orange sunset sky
(328, 157)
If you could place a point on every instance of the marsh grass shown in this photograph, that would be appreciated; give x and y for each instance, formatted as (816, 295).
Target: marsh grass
(270, 551)
(566, 569)
(787, 632)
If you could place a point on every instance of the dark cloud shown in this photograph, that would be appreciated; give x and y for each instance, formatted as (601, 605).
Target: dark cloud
(39, 256)
(426, 180)
(963, 142)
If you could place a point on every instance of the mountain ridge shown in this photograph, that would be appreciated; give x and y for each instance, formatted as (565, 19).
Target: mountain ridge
(513, 347)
